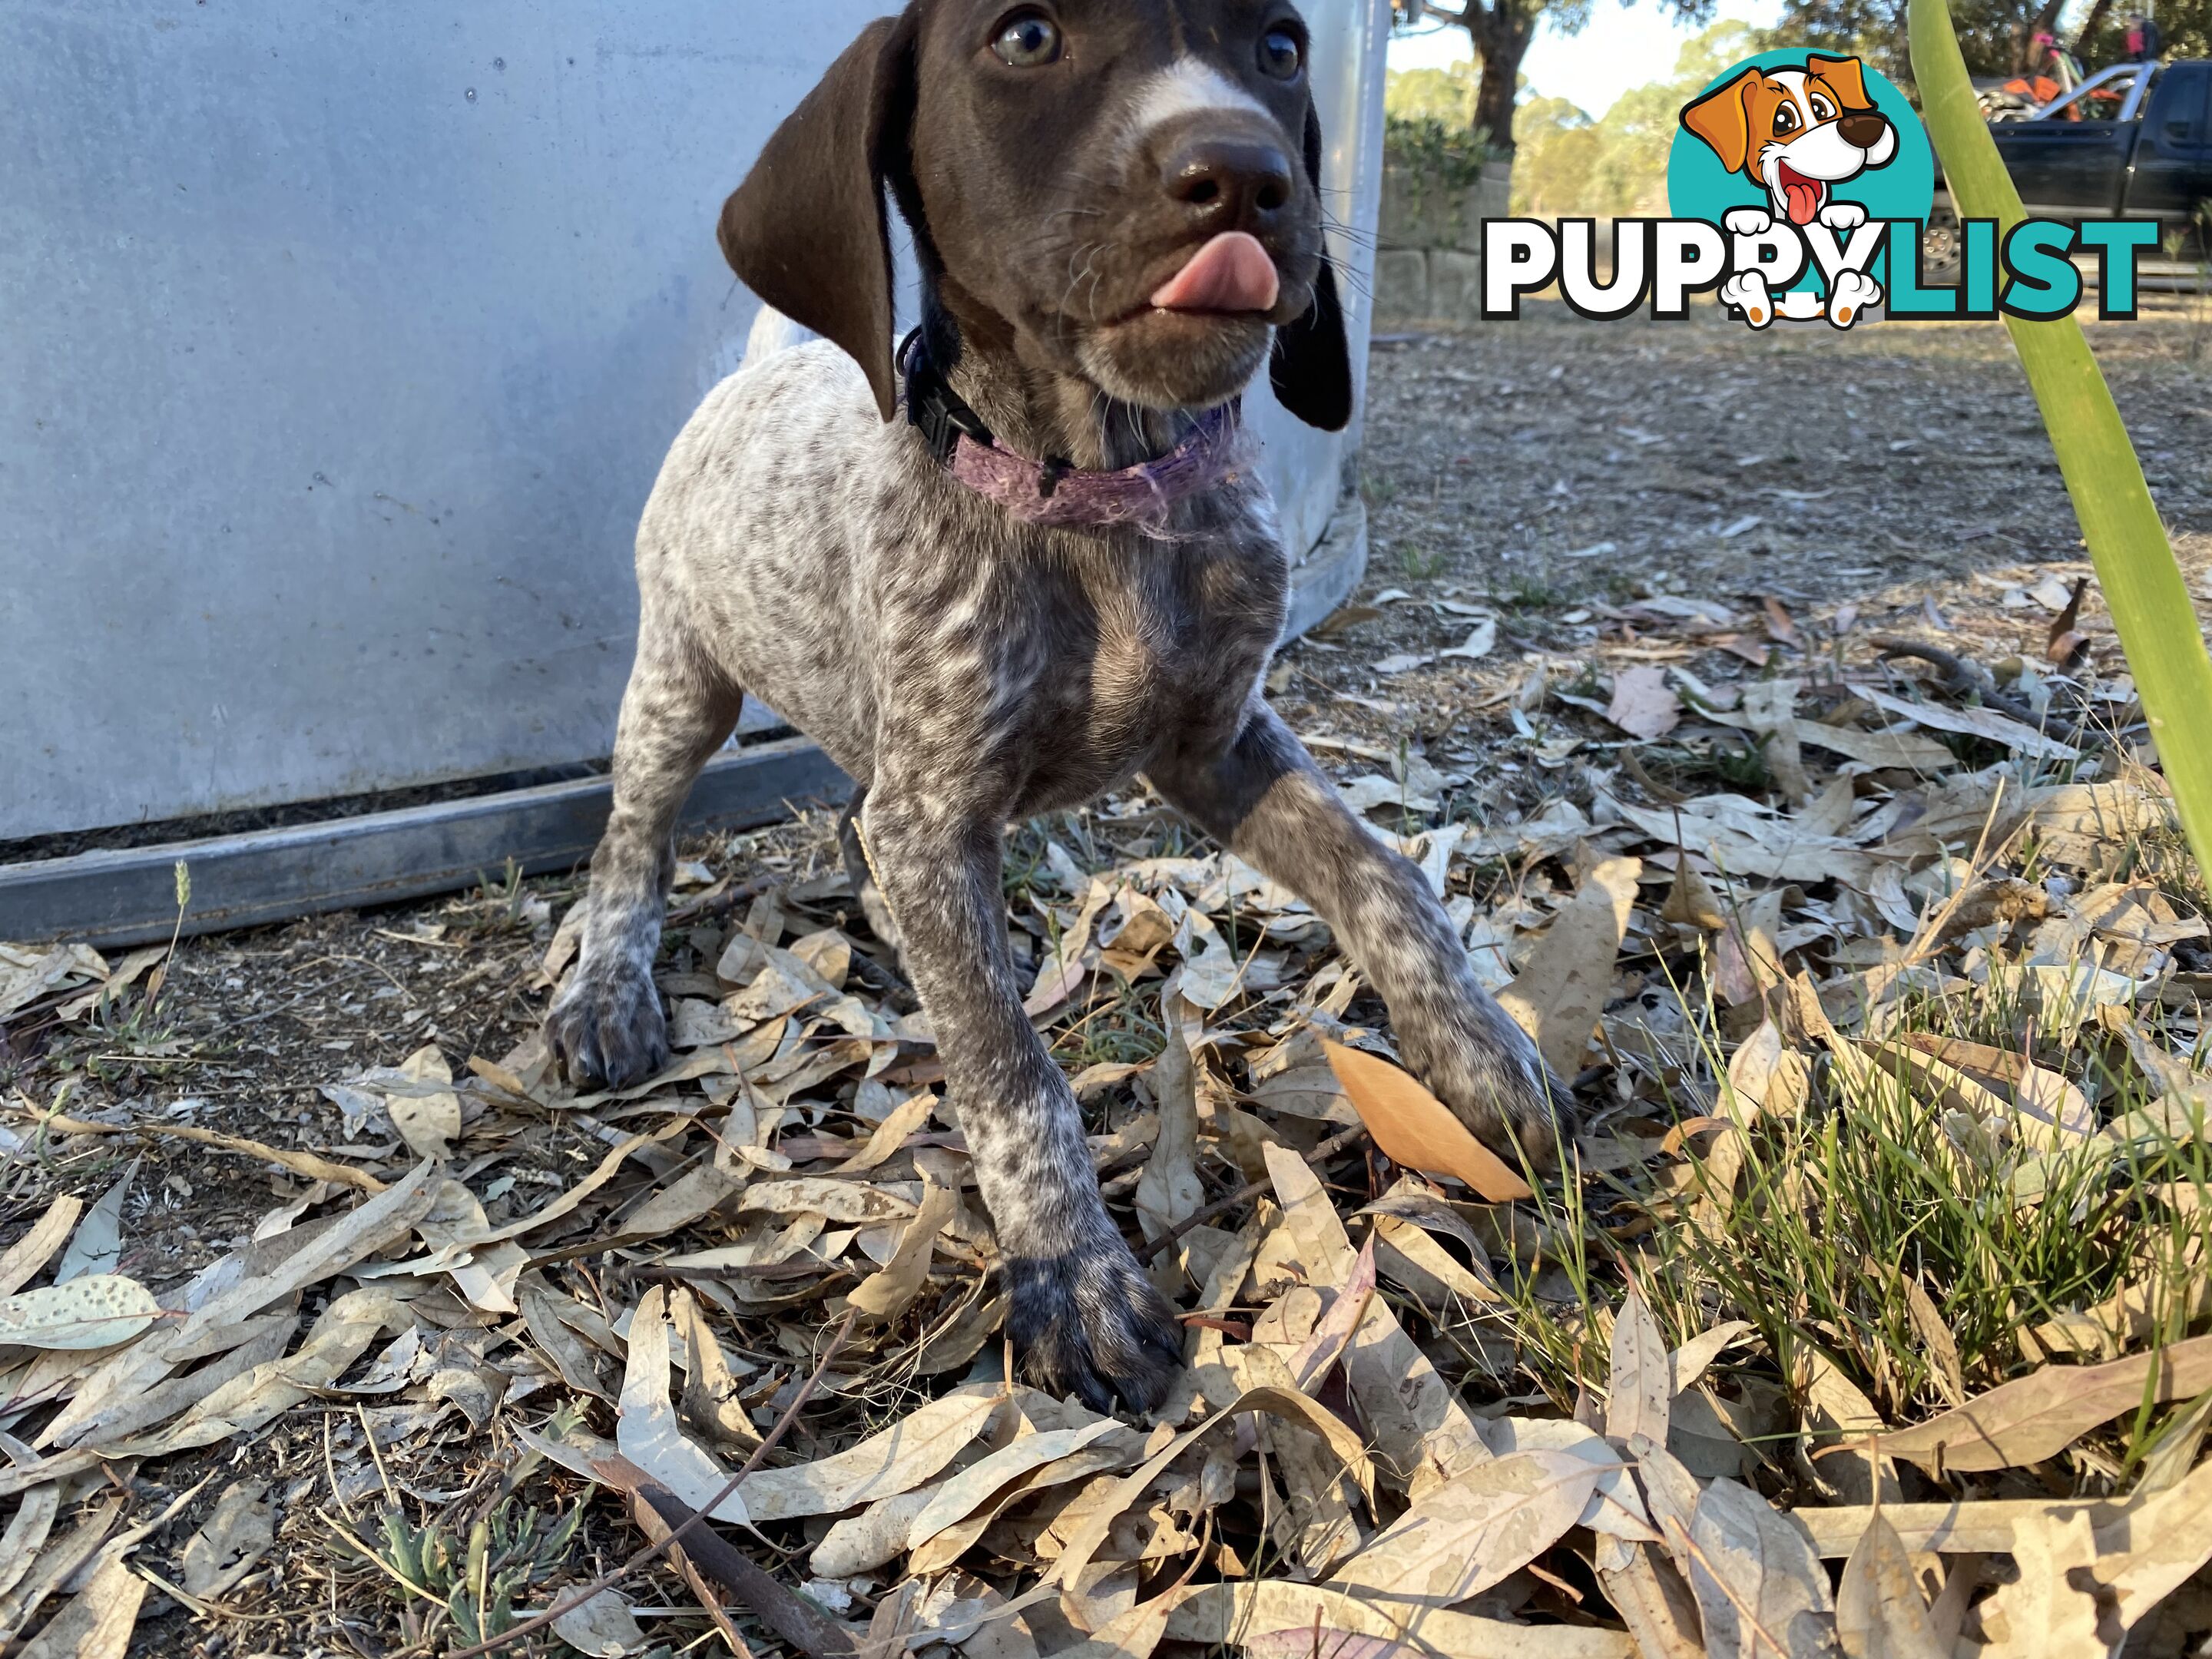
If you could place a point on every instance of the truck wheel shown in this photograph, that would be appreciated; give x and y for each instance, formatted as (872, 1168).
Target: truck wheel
(1940, 245)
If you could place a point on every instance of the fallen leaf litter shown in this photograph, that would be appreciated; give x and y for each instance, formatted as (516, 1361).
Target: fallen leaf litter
(1433, 1399)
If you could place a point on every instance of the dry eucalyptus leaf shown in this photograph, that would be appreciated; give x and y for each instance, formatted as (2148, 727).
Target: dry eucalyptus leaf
(33, 1522)
(1637, 1396)
(603, 1628)
(2170, 1540)
(648, 1432)
(1110, 1454)
(1087, 1538)
(1216, 1615)
(97, 1244)
(1417, 1129)
(1655, 1603)
(341, 1334)
(125, 1398)
(1758, 1581)
(383, 1221)
(1423, 1432)
(1942, 1347)
(1747, 844)
(957, 1498)
(860, 1543)
(1558, 996)
(892, 1289)
(98, 1310)
(1170, 1192)
(895, 1461)
(1879, 1612)
(1643, 705)
(428, 1115)
(2043, 1613)
(2037, 1416)
(906, 1118)
(1691, 903)
(2174, 1453)
(1975, 723)
(241, 1530)
(57, 1563)
(20, 1265)
(1687, 1366)
(709, 1403)
(1835, 1406)
(1318, 1356)
(1616, 1508)
(1472, 1531)
(850, 1202)
(98, 1624)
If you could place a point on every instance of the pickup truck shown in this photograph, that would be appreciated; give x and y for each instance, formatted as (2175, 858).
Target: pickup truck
(2132, 141)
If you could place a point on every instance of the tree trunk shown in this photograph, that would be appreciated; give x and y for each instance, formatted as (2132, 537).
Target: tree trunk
(1501, 30)
(2090, 25)
(2027, 60)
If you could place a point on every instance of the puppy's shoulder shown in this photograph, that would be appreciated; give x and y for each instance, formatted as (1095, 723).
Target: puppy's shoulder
(814, 388)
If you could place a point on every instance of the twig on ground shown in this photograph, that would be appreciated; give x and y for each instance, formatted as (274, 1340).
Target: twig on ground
(1328, 1149)
(680, 1530)
(791, 1617)
(1961, 676)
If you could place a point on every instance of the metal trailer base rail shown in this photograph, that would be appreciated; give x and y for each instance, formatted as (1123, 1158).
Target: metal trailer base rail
(128, 895)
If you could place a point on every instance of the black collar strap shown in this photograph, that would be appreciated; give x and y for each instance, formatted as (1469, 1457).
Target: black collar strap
(938, 412)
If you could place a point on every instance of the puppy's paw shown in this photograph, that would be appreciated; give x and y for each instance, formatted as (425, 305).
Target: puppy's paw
(1852, 293)
(1843, 216)
(1747, 293)
(1747, 221)
(1090, 1323)
(607, 1028)
(1485, 1067)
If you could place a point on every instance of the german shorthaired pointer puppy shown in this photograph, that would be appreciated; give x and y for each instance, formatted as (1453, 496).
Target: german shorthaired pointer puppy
(1055, 572)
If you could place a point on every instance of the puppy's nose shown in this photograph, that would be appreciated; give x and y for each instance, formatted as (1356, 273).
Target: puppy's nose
(1863, 129)
(1229, 184)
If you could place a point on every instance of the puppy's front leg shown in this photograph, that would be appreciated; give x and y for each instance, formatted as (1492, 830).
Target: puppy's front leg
(607, 1027)
(1266, 799)
(1083, 1313)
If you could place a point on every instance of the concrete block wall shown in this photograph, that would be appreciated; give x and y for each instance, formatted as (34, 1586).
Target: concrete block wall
(1428, 268)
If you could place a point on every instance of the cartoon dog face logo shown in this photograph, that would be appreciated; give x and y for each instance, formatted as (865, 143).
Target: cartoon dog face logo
(1795, 132)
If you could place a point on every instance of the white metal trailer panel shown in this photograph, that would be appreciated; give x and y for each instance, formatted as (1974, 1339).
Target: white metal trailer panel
(341, 346)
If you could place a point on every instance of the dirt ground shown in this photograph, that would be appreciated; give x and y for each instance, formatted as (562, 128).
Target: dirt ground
(1552, 470)
(1895, 477)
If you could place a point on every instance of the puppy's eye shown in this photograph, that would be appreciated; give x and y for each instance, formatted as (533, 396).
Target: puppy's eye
(1822, 109)
(1027, 41)
(1785, 120)
(1282, 54)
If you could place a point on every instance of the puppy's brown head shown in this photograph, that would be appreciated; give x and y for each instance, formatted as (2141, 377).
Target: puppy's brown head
(1123, 190)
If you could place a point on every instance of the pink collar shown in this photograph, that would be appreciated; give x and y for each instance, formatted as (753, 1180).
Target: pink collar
(1052, 493)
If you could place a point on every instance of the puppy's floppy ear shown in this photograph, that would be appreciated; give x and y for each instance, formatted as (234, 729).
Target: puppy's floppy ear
(1722, 118)
(1846, 75)
(807, 231)
(1311, 366)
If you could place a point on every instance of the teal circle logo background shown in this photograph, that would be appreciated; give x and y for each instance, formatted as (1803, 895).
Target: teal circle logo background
(1699, 186)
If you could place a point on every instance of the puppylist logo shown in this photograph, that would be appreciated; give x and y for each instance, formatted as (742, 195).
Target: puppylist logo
(1800, 186)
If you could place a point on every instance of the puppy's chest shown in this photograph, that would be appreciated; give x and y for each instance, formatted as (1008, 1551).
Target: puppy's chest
(1170, 642)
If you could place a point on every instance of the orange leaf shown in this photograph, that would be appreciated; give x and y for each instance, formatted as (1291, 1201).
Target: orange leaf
(1417, 1129)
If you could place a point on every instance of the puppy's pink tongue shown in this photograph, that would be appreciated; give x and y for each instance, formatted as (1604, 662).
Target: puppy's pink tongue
(1804, 201)
(1232, 272)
